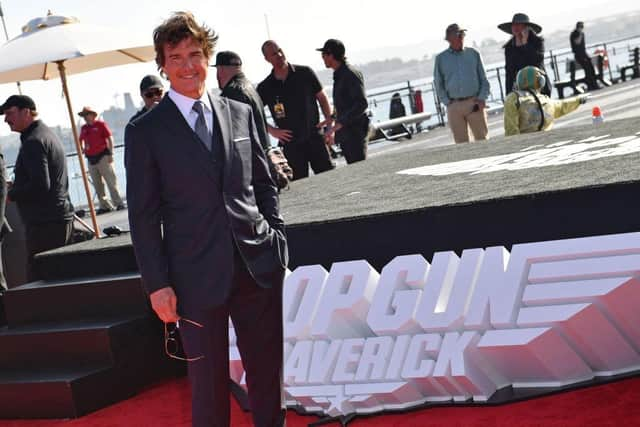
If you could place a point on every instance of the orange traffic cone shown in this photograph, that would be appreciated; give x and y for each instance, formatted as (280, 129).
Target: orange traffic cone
(596, 116)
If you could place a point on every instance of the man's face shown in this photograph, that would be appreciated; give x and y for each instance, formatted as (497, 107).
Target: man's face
(186, 67)
(220, 76)
(18, 119)
(326, 58)
(456, 39)
(275, 56)
(152, 97)
(89, 118)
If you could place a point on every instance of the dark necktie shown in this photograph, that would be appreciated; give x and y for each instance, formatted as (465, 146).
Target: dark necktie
(201, 125)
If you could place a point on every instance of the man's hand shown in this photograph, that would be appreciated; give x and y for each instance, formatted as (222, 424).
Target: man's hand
(110, 158)
(284, 135)
(164, 302)
(326, 122)
(329, 135)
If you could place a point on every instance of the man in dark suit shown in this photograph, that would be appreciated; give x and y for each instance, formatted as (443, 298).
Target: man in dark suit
(206, 228)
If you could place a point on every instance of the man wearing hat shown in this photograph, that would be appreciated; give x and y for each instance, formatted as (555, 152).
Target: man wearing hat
(351, 125)
(97, 143)
(292, 94)
(41, 186)
(234, 85)
(524, 48)
(581, 57)
(151, 91)
(462, 86)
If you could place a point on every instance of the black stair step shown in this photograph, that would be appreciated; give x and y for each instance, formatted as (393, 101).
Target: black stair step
(75, 299)
(80, 343)
(65, 393)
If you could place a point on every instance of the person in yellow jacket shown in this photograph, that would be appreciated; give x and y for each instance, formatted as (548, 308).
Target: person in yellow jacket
(526, 109)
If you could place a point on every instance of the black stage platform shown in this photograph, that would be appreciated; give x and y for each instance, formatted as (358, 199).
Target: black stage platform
(410, 199)
(548, 190)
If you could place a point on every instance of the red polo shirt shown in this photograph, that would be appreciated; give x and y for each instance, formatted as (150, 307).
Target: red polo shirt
(95, 137)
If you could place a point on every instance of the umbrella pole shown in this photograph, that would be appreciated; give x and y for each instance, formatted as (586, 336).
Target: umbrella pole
(85, 181)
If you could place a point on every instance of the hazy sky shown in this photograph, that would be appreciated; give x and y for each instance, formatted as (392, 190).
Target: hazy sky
(299, 27)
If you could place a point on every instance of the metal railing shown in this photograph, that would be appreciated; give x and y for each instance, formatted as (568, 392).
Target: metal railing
(617, 51)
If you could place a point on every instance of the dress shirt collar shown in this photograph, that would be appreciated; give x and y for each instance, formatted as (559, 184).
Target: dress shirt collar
(185, 104)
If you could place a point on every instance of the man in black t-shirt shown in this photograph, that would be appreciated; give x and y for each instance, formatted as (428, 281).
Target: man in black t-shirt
(292, 93)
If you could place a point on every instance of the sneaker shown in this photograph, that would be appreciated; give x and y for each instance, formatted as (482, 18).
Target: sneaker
(121, 207)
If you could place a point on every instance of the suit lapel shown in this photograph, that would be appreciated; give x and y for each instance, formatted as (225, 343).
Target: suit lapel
(223, 114)
(189, 142)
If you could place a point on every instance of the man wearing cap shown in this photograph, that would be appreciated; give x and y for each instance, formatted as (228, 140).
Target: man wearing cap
(234, 85)
(462, 86)
(292, 94)
(97, 144)
(151, 91)
(581, 57)
(524, 48)
(351, 125)
(41, 186)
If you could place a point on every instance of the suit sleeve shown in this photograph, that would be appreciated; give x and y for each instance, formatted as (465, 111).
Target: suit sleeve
(265, 189)
(143, 198)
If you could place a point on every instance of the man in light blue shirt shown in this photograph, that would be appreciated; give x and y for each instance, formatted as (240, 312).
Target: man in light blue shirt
(462, 86)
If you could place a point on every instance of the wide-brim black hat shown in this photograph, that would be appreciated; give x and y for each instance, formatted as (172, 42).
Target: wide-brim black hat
(520, 18)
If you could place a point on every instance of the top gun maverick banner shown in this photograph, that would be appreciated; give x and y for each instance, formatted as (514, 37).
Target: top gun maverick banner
(547, 314)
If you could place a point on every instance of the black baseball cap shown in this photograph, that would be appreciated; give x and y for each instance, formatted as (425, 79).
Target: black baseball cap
(150, 82)
(228, 58)
(334, 47)
(20, 101)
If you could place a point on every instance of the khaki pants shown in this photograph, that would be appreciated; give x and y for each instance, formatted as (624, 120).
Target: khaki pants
(462, 117)
(104, 170)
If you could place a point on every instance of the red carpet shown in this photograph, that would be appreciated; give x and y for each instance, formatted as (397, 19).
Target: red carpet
(168, 405)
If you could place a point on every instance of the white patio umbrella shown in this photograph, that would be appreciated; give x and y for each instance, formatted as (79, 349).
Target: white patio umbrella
(57, 46)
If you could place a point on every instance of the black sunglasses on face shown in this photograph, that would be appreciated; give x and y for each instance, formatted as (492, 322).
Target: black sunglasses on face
(152, 93)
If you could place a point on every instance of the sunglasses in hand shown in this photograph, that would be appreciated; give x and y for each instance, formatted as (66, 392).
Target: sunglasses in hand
(171, 341)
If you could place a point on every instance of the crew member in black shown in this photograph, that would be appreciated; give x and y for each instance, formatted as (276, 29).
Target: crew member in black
(292, 92)
(41, 187)
(351, 126)
(580, 53)
(151, 91)
(234, 85)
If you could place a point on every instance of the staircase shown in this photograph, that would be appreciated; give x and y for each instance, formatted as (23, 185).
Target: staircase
(76, 345)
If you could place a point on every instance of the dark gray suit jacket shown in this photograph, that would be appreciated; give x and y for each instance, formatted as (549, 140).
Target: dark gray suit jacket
(187, 210)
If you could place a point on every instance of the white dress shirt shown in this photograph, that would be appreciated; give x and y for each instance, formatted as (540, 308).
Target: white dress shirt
(185, 105)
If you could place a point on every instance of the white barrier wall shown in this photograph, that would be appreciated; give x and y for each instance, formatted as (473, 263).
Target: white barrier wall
(547, 314)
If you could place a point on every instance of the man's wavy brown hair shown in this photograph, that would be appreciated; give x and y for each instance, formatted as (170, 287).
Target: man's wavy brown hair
(180, 26)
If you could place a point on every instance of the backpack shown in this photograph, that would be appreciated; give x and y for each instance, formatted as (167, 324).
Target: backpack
(279, 167)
